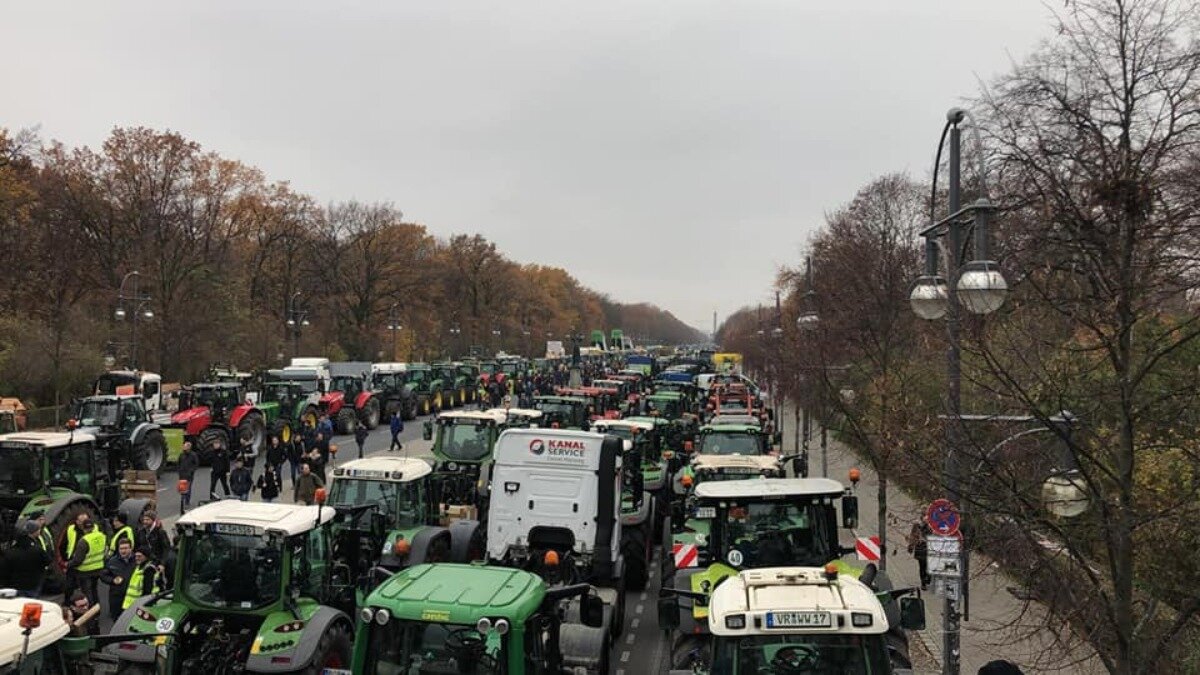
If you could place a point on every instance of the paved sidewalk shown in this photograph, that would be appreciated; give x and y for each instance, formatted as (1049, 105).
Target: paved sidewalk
(1001, 626)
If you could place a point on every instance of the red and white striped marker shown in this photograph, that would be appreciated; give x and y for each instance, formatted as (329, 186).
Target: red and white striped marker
(867, 548)
(685, 555)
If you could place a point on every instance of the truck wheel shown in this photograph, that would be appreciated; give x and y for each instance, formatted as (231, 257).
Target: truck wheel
(345, 421)
(371, 419)
(152, 453)
(282, 429)
(208, 439)
(251, 433)
(333, 651)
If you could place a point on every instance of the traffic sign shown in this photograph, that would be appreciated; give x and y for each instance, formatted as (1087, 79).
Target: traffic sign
(867, 548)
(943, 518)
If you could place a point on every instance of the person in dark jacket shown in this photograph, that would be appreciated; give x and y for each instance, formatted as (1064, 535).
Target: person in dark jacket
(397, 427)
(189, 461)
(295, 453)
(116, 576)
(241, 480)
(220, 470)
(307, 484)
(152, 536)
(321, 445)
(275, 453)
(269, 483)
(316, 462)
(26, 562)
(360, 437)
(74, 612)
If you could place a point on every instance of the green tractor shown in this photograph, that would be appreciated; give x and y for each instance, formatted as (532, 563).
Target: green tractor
(297, 399)
(469, 370)
(455, 385)
(60, 476)
(428, 386)
(392, 502)
(482, 620)
(462, 449)
(563, 412)
(259, 588)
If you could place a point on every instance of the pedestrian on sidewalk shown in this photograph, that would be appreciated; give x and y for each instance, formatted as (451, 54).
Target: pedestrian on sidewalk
(397, 427)
(919, 549)
(220, 470)
(189, 461)
(360, 437)
(269, 484)
(241, 480)
(305, 490)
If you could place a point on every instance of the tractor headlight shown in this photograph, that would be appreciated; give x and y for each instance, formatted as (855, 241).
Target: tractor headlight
(382, 616)
(861, 619)
(483, 625)
(366, 614)
(735, 621)
(452, 466)
(502, 626)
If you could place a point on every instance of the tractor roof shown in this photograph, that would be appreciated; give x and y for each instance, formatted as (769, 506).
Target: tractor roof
(642, 424)
(505, 413)
(562, 399)
(722, 420)
(47, 439)
(419, 366)
(776, 594)
(217, 385)
(769, 488)
(666, 396)
(285, 518)
(12, 636)
(747, 428)
(399, 469)
(731, 464)
(460, 594)
(394, 367)
(482, 416)
(652, 421)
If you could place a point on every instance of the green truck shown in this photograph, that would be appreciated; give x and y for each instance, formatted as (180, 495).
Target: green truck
(481, 620)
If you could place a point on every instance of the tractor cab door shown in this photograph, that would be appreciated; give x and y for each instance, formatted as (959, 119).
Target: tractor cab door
(71, 468)
(108, 483)
(133, 413)
(310, 565)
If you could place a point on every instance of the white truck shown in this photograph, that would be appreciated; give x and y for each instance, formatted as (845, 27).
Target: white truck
(124, 382)
(793, 620)
(310, 367)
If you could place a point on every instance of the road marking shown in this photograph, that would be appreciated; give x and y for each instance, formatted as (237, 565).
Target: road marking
(634, 624)
(630, 638)
(624, 657)
(643, 596)
(639, 609)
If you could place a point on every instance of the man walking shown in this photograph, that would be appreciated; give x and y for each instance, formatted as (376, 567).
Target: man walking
(397, 427)
(360, 437)
(306, 485)
(220, 470)
(189, 461)
(294, 452)
(269, 484)
(240, 480)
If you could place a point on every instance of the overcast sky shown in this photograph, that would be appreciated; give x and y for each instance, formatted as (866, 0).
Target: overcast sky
(676, 152)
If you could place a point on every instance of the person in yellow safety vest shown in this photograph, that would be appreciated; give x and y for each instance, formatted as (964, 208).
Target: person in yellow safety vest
(146, 578)
(121, 530)
(87, 559)
(44, 539)
(73, 533)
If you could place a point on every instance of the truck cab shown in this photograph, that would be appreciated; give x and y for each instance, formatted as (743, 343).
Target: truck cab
(145, 384)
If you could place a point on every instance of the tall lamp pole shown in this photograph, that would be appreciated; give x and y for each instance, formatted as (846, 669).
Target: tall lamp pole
(394, 326)
(297, 319)
(132, 304)
(980, 287)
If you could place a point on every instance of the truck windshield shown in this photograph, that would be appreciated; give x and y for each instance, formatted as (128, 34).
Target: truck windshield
(412, 648)
(774, 533)
(399, 502)
(462, 440)
(98, 413)
(738, 443)
(796, 654)
(237, 571)
(20, 471)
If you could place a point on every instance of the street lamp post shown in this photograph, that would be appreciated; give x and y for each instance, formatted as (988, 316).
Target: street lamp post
(980, 287)
(496, 334)
(455, 331)
(138, 304)
(297, 319)
(808, 321)
(394, 326)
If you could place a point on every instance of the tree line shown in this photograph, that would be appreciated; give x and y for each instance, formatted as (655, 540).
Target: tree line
(227, 257)
(1091, 148)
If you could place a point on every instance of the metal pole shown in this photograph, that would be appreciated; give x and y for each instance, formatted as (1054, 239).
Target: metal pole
(133, 325)
(950, 616)
(824, 452)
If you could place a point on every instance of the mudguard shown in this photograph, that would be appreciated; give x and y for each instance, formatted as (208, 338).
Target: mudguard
(51, 508)
(168, 616)
(461, 533)
(140, 432)
(132, 509)
(693, 617)
(361, 400)
(193, 420)
(641, 515)
(240, 412)
(420, 543)
(264, 660)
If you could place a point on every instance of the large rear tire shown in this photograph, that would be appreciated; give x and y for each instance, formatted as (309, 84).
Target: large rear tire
(252, 434)
(333, 652)
(410, 409)
(58, 530)
(688, 651)
(208, 440)
(345, 421)
(310, 416)
(282, 429)
(371, 418)
(637, 567)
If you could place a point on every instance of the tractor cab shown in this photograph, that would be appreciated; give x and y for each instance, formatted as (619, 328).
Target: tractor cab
(462, 447)
(37, 649)
(734, 439)
(563, 412)
(218, 397)
(517, 418)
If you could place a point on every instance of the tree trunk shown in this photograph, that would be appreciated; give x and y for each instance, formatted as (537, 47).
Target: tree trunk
(882, 511)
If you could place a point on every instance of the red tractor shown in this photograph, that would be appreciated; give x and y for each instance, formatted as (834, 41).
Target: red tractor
(348, 401)
(215, 412)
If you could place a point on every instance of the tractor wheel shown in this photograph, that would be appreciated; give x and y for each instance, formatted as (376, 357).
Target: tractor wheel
(462, 396)
(58, 528)
(425, 408)
(252, 433)
(310, 416)
(453, 398)
(689, 651)
(437, 402)
(371, 414)
(637, 569)
(151, 453)
(344, 422)
(282, 429)
(208, 440)
(410, 410)
(333, 652)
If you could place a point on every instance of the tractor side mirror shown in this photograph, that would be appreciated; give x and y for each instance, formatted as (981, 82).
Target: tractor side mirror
(591, 611)
(849, 511)
(912, 613)
(668, 613)
(378, 526)
(427, 431)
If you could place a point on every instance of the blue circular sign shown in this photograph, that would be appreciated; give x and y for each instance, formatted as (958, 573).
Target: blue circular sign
(943, 518)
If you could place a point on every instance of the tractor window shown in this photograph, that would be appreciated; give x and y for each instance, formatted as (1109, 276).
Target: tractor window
(768, 534)
(465, 441)
(20, 470)
(412, 647)
(231, 570)
(784, 653)
(132, 413)
(71, 467)
(402, 503)
(316, 554)
(98, 413)
(416, 376)
(731, 444)
(347, 385)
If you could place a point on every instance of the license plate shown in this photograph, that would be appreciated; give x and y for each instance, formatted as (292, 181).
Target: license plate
(799, 620)
(706, 512)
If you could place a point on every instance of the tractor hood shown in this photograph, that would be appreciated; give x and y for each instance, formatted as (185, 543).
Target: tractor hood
(188, 416)
(332, 398)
